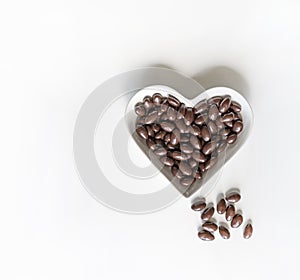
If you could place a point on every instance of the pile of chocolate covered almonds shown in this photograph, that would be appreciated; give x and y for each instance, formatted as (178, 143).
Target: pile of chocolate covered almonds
(225, 206)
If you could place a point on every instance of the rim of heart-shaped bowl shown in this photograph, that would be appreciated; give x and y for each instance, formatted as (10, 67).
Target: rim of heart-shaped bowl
(204, 187)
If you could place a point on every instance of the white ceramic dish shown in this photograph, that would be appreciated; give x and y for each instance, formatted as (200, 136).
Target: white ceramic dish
(223, 158)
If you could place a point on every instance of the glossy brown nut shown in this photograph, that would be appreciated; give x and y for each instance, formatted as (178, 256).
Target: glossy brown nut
(215, 99)
(160, 151)
(237, 220)
(159, 111)
(157, 98)
(225, 131)
(248, 231)
(186, 148)
(181, 112)
(164, 105)
(236, 107)
(167, 137)
(231, 138)
(181, 126)
(209, 147)
(229, 124)
(180, 175)
(167, 161)
(140, 109)
(198, 205)
(219, 124)
(171, 113)
(209, 164)
(206, 235)
(224, 232)
(212, 127)
(193, 164)
(187, 181)
(189, 116)
(167, 126)
(151, 144)
(151, 118)
(160, 135)
(185, 168)
(222, 146)
(195, 130)
(156, 127)
(221, 206)
(213, 112)
(184, 138)
(195, 142)
(201, 119)
(148, 102)
(205, 134)
(175, 137)
(142, 132)
(209, 226)
(180, 156)
(230, 212)
(237, 127)
(200, 107)
(208, 213)
(225, 104)
(150, 131)
(233, 197)
(171, 147)
(199, 156)
(227, 117)
(237, 116)
(173, 101)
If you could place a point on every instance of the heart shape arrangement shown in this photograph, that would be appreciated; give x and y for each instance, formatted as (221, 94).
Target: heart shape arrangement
(188, 141)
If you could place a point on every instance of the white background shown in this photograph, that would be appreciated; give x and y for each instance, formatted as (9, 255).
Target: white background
(54, 53)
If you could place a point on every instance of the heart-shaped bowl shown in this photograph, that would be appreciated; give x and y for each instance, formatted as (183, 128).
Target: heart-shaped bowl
(203, 184)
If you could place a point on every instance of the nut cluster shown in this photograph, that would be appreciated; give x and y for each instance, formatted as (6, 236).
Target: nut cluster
(224, 206)
(188, 140)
